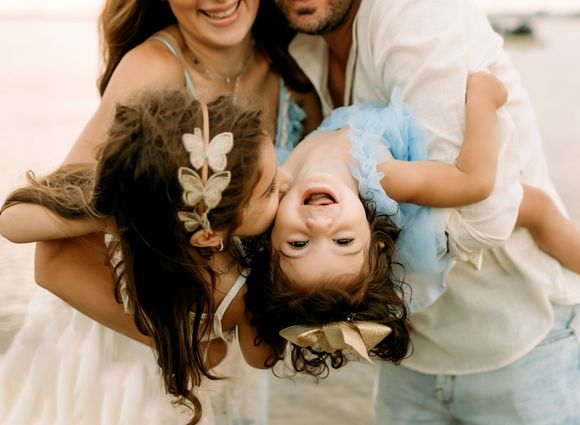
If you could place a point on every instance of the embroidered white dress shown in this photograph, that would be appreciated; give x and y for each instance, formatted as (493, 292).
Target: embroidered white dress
(66, 369)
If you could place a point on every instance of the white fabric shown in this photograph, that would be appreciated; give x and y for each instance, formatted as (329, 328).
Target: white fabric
(66, 369)
(486, 318)
(216, 328)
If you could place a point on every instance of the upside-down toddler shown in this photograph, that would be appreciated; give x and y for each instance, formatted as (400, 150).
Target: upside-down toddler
(354, 233)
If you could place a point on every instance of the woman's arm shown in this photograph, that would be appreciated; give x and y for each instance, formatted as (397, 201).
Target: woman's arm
(68, 268)
(76, 271)
(22, 223)
(149, 65)
(472, 179)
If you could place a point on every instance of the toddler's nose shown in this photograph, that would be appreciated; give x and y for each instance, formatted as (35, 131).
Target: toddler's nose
(318, 223)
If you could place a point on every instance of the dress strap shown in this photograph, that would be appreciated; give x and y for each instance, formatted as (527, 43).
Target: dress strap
(221, 309)
(168, 41)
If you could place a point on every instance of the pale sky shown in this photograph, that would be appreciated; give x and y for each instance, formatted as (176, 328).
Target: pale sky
(61, 8)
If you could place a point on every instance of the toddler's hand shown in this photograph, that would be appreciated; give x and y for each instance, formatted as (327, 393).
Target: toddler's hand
(482, 85)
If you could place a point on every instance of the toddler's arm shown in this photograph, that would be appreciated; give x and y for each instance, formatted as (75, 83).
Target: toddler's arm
(553, 232)
(472, 179)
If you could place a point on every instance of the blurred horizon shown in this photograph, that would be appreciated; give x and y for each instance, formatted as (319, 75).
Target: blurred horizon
(91, 8)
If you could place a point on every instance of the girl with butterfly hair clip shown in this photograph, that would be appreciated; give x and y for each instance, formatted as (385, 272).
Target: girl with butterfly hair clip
(210, 48)
(324, 261)
(176, 182)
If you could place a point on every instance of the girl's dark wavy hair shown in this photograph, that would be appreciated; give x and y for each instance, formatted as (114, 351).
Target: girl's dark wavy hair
(124, 24)
(136, 184)
(376, 295)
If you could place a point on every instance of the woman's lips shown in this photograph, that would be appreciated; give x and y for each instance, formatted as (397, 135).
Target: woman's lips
(221, 13)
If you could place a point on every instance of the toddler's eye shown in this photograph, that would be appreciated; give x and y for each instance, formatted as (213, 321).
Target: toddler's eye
(343, 241)
(298, 244)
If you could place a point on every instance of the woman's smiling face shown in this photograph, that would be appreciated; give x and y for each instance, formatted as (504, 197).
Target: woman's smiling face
(216, 23)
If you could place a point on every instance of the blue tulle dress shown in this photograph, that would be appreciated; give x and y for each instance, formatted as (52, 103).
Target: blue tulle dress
(380, 132)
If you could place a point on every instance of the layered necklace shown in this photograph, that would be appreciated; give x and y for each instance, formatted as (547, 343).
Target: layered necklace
(228, 80)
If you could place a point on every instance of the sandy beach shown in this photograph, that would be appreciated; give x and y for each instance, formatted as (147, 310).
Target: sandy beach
(48, 92)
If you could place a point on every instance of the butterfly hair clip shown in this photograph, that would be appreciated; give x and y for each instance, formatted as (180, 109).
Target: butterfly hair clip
(200, 192)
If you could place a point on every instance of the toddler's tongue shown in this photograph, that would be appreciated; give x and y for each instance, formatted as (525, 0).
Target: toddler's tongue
(319, 199)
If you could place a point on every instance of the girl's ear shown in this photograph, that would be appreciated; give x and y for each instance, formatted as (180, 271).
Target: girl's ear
(201, 240)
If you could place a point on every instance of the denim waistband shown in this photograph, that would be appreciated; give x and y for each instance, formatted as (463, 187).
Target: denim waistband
(566, 316)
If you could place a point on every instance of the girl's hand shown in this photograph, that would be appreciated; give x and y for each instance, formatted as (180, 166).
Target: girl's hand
(483, 86)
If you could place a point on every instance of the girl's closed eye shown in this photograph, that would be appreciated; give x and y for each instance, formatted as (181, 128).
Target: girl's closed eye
(273, 189)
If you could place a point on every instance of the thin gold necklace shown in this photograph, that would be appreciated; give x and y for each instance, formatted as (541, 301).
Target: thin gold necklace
(226, 79)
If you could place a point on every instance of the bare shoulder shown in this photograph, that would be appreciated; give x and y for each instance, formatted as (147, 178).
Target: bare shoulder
(149, 65)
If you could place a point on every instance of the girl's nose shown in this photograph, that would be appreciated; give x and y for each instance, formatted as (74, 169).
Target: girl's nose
(285, 180)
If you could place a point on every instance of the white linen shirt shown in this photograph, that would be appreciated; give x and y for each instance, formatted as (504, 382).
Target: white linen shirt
(497, 304)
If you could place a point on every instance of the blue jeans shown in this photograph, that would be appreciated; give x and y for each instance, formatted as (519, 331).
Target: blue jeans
(542, 388)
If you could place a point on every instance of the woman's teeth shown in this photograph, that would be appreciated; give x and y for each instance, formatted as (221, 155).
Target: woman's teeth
(224, 14)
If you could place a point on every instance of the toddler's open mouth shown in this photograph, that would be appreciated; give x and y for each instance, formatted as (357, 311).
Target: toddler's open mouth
(318, 197)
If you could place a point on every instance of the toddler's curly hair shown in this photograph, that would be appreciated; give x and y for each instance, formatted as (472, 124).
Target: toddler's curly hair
(374, 295)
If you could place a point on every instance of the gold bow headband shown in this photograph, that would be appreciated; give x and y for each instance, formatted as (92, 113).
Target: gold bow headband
(358, 336)
(204, 154)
